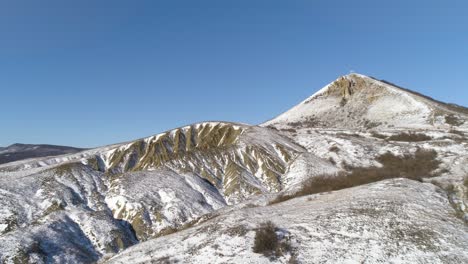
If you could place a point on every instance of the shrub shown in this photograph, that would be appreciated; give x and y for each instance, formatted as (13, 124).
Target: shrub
(266, 241)
(453, 120)
(465, 182)
(307, 122)
(456, 132)
(417, 166)
(334, 149)
(292, 130)
(239, 230)
(272, 127)
(409, 137)
(343, 102)
(421, 164)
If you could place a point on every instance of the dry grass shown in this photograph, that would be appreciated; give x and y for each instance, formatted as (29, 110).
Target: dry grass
(421, 164)
(308, 122)
(292, 130)
(272, 127)
(417, 166)
(456, 132)
(239, 230)
(465, 182)
(409, 137)
(453, 120)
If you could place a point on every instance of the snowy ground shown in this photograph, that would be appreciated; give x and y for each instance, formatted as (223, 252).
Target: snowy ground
(394, 221)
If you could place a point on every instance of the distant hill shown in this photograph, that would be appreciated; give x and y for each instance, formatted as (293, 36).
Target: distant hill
(18, 151)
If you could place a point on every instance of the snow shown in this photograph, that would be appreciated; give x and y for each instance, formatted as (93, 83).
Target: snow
(375, 101)
(402, 221)
(79, 214)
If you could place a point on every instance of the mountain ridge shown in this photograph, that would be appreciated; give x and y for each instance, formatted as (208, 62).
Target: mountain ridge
(359, 101)
(20, 151)
(88, 206)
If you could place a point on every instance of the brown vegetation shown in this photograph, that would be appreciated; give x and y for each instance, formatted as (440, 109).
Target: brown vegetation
(267, 242)
(417, 166)
(307, 122)
(409, 137)
(456, 132)
(334, 149)
(465, 182)
(453, 120)
(292, 130)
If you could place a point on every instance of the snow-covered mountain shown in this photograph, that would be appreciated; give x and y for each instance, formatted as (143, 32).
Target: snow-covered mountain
(25, 151)
(199, 193)
(358, 101)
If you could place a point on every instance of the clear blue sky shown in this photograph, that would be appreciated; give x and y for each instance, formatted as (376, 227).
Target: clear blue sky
(89, 73)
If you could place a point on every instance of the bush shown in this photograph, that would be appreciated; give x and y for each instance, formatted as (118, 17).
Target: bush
(292, 130)
(334, 149)
(409, 137)
(456, 132)
(417, 166)
(272, 127)
(453, 120)
(266, 241)
(465, 182)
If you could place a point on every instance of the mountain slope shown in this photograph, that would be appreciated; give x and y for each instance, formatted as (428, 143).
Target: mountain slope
(115, 196)
(359, 102)
(85, 207)
(25, 151)
(395, 221)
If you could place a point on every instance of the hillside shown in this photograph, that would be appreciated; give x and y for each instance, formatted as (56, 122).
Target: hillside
(360, 164)
(26, 151)
(356, 101)
(399, 221)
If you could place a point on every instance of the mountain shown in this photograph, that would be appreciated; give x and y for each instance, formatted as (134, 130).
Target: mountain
(201, 193)
(358, 101)
(26, 151)
(398, 221)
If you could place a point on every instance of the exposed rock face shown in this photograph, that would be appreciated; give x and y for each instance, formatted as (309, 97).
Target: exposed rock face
(344, 85)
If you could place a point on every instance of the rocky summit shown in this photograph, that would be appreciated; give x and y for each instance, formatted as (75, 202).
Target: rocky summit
(363, 171)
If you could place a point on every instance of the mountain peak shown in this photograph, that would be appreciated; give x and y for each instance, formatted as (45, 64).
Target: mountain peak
(358, 101)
